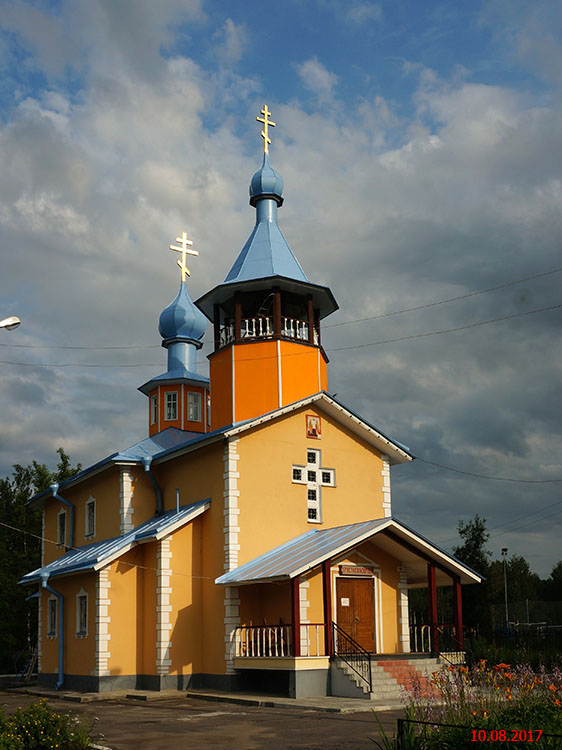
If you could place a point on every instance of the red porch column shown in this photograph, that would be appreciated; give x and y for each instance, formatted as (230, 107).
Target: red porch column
(327, 585)
(296, 615)
(457, 596)
(432, 596)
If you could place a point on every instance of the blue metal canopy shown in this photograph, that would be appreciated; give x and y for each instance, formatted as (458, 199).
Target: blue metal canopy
(96, 555)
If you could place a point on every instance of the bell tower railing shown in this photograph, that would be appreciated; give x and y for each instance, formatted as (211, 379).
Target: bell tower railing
(261, 327)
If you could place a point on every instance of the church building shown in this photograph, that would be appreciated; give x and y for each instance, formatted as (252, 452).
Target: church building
(248, 541)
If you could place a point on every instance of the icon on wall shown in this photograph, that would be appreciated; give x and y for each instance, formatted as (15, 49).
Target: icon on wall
(313, 427)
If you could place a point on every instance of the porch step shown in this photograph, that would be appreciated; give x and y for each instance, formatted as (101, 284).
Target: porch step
(392, 680)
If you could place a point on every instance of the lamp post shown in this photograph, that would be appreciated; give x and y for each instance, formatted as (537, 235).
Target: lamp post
(10, 323)
(504, 555)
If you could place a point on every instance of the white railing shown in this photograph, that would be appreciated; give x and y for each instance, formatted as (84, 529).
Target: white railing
(262, 328)
(271, 641)
(256, 328)
(258, 641)
(420, 638)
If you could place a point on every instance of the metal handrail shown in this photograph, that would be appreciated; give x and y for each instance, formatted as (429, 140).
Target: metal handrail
(468, 654)
(354, 655)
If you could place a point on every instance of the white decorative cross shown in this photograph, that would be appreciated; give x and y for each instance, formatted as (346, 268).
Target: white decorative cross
(184, 249)
(315, 477)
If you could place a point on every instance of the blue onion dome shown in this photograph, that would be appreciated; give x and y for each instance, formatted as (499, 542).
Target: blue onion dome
(266, 183)
(181, 319)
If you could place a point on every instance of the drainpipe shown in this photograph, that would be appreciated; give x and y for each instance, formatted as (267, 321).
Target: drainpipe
(54, 489)
(147, 460)
(60, 597)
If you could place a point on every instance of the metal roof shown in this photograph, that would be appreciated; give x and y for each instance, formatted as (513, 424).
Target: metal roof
(166, 444)
(97, 555)
(308, 550)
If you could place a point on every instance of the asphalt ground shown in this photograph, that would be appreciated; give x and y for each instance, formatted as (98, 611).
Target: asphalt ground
(192, 724)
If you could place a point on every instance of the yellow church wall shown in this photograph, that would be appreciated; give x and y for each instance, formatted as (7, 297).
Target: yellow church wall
(273, 509)
(146, 647)
(127, 578)
(186, 616)
(105, 489)
(315, 595)
(78, 650)
(199, 476)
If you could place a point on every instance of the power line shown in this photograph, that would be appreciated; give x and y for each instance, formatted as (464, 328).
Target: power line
(332, 325)
(446, 330)
(445, 301)
(79, 549)
(486, 476)
(297, 354)
(515, 520)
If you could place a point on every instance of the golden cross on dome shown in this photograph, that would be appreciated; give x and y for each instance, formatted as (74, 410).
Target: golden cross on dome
(185, 248)
(266, 124)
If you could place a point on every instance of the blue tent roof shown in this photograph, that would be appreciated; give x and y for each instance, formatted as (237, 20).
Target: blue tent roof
(96, 555)
(266, 253)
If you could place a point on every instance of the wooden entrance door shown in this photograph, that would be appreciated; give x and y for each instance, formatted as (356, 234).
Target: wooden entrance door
(355, 610)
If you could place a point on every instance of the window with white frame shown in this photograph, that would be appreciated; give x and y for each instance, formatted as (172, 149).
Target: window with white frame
(61, 528)
(82, 613)
(90, 518)
(154, 409)
(52, 605)
(193, 407)
(208, 410)
(171, 405)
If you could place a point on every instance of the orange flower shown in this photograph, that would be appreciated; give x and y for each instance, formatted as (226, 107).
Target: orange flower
(502, 666)
(557, 702)
(552, 688)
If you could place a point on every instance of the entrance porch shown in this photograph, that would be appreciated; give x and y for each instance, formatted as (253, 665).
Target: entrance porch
(329, 610)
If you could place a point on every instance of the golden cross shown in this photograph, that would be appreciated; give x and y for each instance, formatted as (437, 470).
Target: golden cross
(184, 249)
(266, 123)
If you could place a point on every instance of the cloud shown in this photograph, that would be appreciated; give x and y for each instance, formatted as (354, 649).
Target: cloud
(317, 79)
(392, 206)
(233, 39)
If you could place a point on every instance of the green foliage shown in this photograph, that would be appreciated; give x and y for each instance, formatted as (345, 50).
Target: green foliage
(20, 551)
(38, 727)
(473, 550)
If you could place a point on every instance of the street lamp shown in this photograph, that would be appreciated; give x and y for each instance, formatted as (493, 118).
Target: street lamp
(10, 323)
(504, 555)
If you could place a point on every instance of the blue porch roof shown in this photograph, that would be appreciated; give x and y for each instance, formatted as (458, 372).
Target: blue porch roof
(98, 554)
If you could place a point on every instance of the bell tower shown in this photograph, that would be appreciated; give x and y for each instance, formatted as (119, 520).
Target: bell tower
(266, 316)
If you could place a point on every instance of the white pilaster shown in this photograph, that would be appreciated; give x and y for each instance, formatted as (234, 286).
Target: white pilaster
(163, 607)
(231, 620)
(231, 548)
(404, 614)
(386, 501)
(103, 621)
(126, 497)
(304, 605)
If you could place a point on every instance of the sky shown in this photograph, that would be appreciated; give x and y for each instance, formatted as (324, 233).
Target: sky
(421, 149)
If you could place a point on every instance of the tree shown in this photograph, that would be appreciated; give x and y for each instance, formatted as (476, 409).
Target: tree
(20, 550)
(473, 550)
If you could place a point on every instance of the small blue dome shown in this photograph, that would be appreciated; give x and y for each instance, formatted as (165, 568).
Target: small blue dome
(266, 182)
(181, 319)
